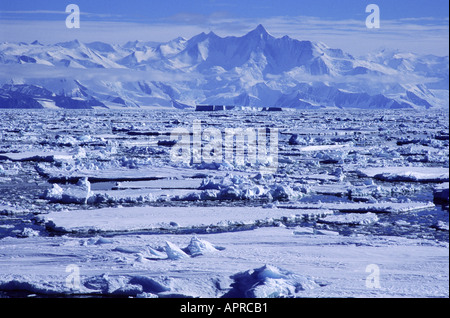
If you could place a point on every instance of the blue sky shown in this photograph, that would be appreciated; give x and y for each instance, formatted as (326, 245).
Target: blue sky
(415, 25)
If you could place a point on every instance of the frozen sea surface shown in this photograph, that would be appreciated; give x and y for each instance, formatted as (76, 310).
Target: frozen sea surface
(99, 190)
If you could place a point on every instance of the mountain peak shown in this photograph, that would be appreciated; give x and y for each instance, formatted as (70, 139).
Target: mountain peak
(211, 33)
(259, 31)
(100, 46)
(70, 44)
(179, 39)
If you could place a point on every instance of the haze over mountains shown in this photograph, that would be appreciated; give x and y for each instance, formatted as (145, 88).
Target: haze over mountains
(256, 69)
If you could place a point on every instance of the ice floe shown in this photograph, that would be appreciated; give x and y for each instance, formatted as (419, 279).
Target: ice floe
(200, 247)
(174, 252)
(38, 156)
(441, 193)
(377, 207)
(351, 219)
(162, 219)
(269, 282)
(79, 193)
(409, 174)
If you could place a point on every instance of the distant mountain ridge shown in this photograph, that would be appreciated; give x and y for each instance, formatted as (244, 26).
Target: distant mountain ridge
(256, 69)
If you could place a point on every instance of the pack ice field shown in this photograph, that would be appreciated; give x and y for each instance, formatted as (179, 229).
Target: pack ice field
(92, 203)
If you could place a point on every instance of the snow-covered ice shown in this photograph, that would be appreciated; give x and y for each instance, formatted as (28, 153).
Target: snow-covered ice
(420, 174)
(355, 207)
(37, 156)
(92, 202)
(181, 219)
(269, 282)
(97, 191)
(441, 192)
(359, 219)
(274, 260)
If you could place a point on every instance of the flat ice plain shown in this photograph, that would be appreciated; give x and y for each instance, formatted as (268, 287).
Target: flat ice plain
(92, 204)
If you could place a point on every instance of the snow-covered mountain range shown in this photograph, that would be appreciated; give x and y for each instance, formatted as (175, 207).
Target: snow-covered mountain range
(256, 69)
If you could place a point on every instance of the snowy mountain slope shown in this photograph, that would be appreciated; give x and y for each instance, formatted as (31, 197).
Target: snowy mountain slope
(428, 66)
(256, 69)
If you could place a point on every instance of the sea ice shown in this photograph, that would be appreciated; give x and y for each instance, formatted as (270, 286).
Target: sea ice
(174, 252)
(441, 193)
(37, 265)
(112, 285)
(327, 179)
(351, 219)
(409, 174)
(158, 219)
(234, 187)
(78, 193)
(199, 247)
(269, 282)
(28, 232)
(443, 226)
(325, 232)
(303, 231)
(37, 156)
(359, 207)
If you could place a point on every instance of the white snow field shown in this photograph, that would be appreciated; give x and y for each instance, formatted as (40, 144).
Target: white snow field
(92, 204)
(156, 265)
